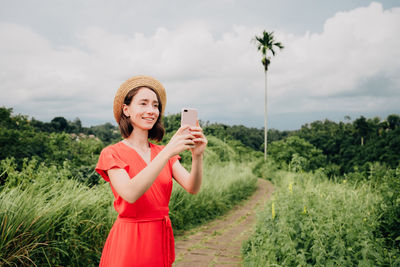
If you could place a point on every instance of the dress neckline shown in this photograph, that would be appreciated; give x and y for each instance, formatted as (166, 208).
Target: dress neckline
(140, 156)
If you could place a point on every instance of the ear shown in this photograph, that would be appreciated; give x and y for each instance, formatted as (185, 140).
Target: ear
(125, 110)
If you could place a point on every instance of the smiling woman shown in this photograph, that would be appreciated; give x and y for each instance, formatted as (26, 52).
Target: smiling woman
(140, 175)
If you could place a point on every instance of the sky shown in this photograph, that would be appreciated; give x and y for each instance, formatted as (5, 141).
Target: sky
(68, 58)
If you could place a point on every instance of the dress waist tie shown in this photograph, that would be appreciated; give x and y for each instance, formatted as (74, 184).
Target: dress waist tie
(167, 236)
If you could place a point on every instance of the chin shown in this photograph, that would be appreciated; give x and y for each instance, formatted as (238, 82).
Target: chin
(146, 127)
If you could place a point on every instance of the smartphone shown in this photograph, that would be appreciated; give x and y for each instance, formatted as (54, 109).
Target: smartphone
(188, 117)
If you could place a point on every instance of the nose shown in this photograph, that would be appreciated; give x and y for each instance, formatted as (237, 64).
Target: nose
(151, 109)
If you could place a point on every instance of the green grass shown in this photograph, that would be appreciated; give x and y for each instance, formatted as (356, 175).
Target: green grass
(311, 220)
(49, 219)
(223, 186)
(54, 223)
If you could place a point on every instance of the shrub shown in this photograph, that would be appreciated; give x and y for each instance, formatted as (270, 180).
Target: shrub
(284, 151)
(315, 221)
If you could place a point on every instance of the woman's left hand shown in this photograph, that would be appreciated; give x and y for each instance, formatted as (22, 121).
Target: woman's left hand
(200, 141)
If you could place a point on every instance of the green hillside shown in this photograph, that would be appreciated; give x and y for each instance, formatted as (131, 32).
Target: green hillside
(336, 200)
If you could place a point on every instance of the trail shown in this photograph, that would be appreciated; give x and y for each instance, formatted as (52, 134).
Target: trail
(218, 243)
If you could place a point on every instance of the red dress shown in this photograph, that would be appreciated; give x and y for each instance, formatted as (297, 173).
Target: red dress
(142, 234)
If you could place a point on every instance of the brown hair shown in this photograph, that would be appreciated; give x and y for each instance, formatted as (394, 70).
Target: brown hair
(125, 126)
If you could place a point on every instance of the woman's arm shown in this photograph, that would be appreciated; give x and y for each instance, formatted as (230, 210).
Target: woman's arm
(191, 182)
(133, 189)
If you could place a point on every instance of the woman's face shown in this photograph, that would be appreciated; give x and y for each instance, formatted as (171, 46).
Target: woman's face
(143, 109)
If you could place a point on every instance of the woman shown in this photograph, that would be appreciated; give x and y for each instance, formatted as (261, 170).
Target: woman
(140, 175)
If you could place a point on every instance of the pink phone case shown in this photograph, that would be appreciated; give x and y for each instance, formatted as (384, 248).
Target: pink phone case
(189, 116)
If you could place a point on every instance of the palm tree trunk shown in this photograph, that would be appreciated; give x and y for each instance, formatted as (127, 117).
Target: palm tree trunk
(265, 119)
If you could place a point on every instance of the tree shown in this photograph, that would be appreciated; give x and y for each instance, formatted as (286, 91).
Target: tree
(393, 121)
(362, 128)
(59, 124)
(76, 126)
(296, 149)
(266, 43)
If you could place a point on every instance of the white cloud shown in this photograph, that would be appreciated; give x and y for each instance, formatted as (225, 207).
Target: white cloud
(222, 77)
(354, 46)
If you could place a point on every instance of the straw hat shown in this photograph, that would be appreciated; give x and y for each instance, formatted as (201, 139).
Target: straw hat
(138, 81)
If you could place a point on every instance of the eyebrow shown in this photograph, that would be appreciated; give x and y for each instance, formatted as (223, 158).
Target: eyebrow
(147, 100)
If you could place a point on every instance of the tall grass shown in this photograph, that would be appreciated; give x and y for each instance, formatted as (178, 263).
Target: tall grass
(49, 219)
(54, 223)
(223, 186)
(314, 221)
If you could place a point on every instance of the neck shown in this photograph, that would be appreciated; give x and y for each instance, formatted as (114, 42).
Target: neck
(139, 138)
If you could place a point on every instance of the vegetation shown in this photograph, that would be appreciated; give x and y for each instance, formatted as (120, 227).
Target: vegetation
(47, 219)
(55, 210)
(266, 43)
(350, 146)
(225, 185)
(336, 200)
(315, 221)
(346, 146)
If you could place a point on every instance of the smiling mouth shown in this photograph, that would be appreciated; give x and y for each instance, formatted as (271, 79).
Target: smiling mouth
(148, 119)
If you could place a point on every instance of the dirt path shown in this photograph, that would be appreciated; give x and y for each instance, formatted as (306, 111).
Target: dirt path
(218, 243)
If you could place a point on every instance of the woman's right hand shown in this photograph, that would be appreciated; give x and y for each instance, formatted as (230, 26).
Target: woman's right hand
(180, 141)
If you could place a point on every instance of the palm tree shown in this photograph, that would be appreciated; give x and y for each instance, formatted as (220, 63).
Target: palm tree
(266, 43)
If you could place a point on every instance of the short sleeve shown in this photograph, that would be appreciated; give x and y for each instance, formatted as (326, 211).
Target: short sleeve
(109, 160)
(173, 159)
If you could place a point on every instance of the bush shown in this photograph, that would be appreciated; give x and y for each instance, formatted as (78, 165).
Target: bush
(387, 183)
(299, 151)
(265, 169)
(315, 221)
(223, 151)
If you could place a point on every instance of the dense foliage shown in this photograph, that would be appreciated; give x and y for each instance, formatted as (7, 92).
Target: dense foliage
(23, 139)
(49, 219)
(56, 211)
(312, 220)
(346, 146)
(352, 145)
(385, 182)
(294, 153)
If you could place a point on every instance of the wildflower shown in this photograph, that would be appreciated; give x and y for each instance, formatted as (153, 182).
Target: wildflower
(291, 188)
(304, 210)
(344, 181)
(273, 210)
